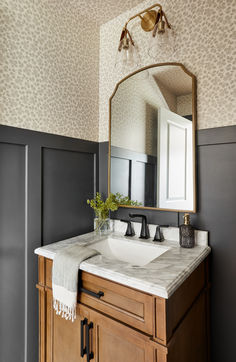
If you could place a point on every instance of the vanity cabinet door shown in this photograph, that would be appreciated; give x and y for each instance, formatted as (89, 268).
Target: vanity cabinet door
(63, 338)
(110, 340)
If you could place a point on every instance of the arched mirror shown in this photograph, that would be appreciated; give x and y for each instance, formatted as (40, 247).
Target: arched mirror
(152, 138)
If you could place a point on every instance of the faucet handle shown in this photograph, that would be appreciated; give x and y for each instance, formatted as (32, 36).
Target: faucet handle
(130, 230)
(159, 235)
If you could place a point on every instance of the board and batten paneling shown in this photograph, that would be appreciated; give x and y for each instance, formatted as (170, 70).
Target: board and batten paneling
(44, 183)
(13, 163)
(216, 200)
(68, 181)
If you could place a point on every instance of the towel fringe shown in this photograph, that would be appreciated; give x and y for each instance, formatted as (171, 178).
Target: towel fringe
(69, 313)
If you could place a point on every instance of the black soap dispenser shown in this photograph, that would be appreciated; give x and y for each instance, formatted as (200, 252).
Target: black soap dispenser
(186, 233)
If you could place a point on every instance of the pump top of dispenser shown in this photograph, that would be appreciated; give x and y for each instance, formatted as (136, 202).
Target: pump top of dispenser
(186, 219)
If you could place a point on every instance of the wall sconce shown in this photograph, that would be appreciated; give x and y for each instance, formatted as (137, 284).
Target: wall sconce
(127, 54)
(161, 40)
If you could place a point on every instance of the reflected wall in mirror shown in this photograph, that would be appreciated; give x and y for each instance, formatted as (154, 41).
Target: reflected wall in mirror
(152, 137)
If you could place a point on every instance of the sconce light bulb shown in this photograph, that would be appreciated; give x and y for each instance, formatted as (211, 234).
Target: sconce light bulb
(126, 43)
(161, 26)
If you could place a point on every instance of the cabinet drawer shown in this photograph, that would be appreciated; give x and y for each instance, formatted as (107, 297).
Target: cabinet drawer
(122, 303)
(127, 305)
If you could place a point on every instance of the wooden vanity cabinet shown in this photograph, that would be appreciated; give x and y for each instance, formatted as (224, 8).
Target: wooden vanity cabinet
(126, 325)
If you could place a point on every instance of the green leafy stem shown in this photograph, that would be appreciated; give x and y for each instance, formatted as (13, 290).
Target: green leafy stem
(113, 201)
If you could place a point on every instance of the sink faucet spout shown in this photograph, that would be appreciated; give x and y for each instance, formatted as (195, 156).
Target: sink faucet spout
(144, 229)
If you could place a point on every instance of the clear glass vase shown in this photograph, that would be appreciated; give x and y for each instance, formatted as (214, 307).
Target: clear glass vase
(102, 226)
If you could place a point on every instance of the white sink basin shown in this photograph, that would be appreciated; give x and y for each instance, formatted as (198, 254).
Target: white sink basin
(137, 253)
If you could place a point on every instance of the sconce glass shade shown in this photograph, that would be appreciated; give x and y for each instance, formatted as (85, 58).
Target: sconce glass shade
(162, 43)
(127, 58)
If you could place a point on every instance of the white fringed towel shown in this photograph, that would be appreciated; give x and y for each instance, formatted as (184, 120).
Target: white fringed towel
(65, 270)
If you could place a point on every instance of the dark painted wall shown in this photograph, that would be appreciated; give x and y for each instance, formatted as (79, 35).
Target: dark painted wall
(44, 183)
(12, 251)
(216, 205)
(216, 199)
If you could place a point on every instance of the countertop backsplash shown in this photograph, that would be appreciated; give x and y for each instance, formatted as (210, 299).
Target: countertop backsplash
(169, 233)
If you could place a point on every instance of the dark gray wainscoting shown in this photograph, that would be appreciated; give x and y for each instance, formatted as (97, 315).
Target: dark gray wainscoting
(216, 213)
(216, 203)
(103, 168)
(12, 251)
(44, 183)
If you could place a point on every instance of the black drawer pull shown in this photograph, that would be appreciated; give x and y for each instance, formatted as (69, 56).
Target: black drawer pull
(93, 294)
(83, 350)
(90, 355)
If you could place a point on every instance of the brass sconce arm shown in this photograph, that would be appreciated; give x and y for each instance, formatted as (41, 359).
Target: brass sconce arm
(143, 11)
(160, 12)
(167, 22)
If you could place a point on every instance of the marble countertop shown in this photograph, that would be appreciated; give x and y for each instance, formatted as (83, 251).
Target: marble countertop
(161, 277)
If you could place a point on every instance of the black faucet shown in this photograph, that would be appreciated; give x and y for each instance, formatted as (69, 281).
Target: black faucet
(144, 230)
(130, 229)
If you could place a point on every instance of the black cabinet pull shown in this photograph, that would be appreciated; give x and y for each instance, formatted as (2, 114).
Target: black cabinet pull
(93, 294)
(90, 355)
(83, 350)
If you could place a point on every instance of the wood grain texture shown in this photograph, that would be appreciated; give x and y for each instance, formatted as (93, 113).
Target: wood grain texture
(170, 312)
(189, 342)
(66, 339)
(117, 342)
(160, 320)
(122, 303)
(41, 270)
(179, 303)
(48, 272)
(42, 324)
(160, 356)
(42, 309)
(128, 325)
(49, 326)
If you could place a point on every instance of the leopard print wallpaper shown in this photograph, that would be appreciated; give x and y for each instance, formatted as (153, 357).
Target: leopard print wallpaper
(48, 71)
(50, 77)
(49, 63)
(204, 46)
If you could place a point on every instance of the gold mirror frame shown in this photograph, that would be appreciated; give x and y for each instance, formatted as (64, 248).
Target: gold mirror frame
(194, 121)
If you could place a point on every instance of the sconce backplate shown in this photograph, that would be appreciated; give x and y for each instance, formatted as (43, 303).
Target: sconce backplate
(149, 20)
